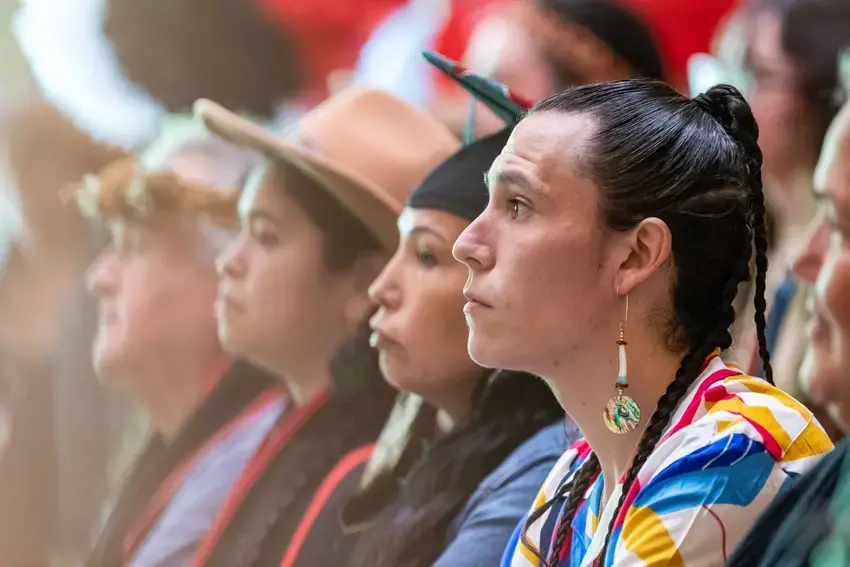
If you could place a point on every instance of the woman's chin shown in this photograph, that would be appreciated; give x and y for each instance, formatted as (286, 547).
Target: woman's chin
(486, 353)
(234, 342)
(394, 374)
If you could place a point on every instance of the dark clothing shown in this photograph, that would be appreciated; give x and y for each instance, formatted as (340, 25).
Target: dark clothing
(478, 535)
(260, 530)
(461, 513)
(326, 542)
(241, 387)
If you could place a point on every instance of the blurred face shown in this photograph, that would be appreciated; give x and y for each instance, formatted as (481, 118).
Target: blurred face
(506, 51)
(419, 329)
(277, 303)
(825, 262)
(776, 100)
(501, 48)
(11, 217)
(155, 295)
(536, 255)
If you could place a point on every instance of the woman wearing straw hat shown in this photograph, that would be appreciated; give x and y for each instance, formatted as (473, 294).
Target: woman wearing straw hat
(168, 212)
(318, 223)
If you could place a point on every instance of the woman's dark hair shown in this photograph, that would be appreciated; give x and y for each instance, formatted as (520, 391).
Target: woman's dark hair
(696, 165)
(345, 237)
(813, 34)
(412, 531)
(622, 30)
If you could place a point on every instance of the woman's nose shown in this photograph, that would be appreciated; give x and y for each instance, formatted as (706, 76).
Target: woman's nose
(385, 291)
(101, 277)
(231, 262)
(809, 260)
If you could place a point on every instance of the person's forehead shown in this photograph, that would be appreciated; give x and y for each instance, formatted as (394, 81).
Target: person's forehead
(170, 228)
(552, 142)
(259, 176)
(266, 190)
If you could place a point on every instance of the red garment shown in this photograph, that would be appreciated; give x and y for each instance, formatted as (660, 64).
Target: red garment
(331, 33)
(681, 28)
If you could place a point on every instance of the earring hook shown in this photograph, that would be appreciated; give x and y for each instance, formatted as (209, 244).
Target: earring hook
(626, 314)
(626, 308)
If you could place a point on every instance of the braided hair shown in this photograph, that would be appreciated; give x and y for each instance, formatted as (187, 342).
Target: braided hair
(696, 165)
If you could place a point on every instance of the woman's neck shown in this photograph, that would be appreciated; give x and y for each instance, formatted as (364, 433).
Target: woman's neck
(587, 383)
(306, 377)
(304, 387)
(173, 390)
(454, 402)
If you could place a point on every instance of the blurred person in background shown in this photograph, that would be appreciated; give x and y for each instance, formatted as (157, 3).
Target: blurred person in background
(466, 448)
(318, 223)
(539, 48)
(58, 429)
(118, 68)
(810, 524)
(168, 212)
(791, 50)
(682, 29)
(329, 37)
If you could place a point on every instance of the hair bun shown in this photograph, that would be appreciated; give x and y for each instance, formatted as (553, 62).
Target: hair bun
(728, 106)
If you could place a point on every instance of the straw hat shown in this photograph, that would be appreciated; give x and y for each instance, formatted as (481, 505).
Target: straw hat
(365, 147)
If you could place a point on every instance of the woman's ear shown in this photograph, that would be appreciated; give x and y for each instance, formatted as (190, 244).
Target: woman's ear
(649, 246)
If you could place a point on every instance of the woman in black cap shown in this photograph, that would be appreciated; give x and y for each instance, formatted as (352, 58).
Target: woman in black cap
(464, 447)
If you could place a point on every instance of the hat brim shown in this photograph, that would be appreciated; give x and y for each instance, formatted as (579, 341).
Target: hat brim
(363, 199)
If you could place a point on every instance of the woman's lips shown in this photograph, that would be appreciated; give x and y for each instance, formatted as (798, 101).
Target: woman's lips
(225, 302)
(380, 340)
(474, 302)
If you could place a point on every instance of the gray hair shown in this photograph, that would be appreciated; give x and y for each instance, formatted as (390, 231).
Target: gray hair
(188, 149)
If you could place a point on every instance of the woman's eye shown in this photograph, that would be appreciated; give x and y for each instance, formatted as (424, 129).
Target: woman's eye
(266, 238)
(426, 258)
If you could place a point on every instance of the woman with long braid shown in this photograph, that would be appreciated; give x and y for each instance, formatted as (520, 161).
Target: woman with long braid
(621, 221)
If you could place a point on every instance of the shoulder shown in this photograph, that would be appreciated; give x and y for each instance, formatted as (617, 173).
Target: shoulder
(540, 451)
(735, 442)
(523, 471)
(739, 422)
(729, 412)
(503, 498)
(742, 410)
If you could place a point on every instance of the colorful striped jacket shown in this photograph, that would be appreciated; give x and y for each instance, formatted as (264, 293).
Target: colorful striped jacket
(732, 445)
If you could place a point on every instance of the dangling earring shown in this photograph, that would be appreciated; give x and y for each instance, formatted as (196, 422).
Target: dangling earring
(622, 414)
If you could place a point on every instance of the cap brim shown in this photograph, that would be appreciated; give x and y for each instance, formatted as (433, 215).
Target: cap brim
(360, 197)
